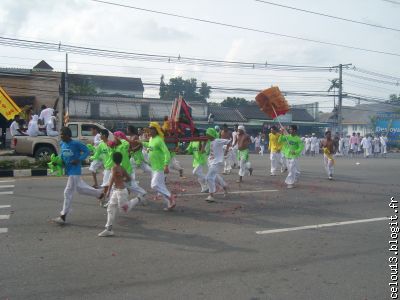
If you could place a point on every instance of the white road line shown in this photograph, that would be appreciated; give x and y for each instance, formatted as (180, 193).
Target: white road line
(3, 230)
(6, 186)
(5, 181)
(5, 206)
(234, 192)
(321, 225)
(4, 217)
(7, 193)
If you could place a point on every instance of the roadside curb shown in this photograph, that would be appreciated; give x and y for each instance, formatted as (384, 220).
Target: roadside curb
(33, 172)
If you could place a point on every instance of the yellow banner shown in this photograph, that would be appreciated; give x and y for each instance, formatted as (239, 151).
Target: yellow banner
(8, 108)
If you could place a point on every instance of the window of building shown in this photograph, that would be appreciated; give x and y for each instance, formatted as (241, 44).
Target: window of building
(145, 111)
(95, 110)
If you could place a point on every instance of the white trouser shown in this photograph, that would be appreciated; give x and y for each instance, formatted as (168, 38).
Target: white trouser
(106, 178)
(383, 149)
(175, 165)
(244, 167)
(145, 167)
(293, 171)
(158, 184)
(228, 161)
(134, 187)
(76, 184)
(95, 165)
(275, 158)
(346, 150)
(234, 156)
(201, 178)
(262, 148)
(366, 152)
(52, 133)
(283, 163)
(119, 197)
(213, 178)
(145, 154)
(328, 163)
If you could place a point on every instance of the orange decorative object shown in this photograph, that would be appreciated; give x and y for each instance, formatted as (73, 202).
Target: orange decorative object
(272, 102)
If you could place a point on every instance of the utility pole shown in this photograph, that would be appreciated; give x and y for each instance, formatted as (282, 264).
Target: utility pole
(340, 97)
(66, 100)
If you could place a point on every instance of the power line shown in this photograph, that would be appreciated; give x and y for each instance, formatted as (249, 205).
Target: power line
(246, 28)
(373, 79)
(376, 74)
(391, 1)
(328, 16)
(51, 46)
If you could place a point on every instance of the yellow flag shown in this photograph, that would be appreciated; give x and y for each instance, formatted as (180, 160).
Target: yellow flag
(8, 108)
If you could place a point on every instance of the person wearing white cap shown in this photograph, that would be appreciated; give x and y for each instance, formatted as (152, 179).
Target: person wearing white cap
(314, 145)
(243, 141)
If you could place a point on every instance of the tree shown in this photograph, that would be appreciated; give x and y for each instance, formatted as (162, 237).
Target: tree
(235, 102)
(394, 99)
(85, 88)
(186, 88)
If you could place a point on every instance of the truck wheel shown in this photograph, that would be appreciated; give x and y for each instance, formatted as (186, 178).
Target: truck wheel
(43, 153)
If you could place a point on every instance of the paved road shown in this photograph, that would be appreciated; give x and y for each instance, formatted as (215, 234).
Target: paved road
(202, 250)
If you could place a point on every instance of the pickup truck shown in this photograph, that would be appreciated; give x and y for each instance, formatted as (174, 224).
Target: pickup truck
(43, 146)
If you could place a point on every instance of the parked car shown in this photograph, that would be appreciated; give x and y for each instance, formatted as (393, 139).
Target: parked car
(43, 145)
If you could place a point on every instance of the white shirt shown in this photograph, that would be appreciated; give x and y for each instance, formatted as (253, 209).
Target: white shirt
(365, 143)
(33, 127)
(46, 114)
(14, 128)
(217, 151)
(383, 140)
(257, 141)
(50, 125)
(97, 139)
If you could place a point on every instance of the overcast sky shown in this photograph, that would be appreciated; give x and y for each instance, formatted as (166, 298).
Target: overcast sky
(83, 22)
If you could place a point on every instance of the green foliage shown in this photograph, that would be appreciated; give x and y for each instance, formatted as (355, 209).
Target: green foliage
(187, 88)
(23, 164)
(42, 163)
(7, 164)
(235, 102)
(394, 99)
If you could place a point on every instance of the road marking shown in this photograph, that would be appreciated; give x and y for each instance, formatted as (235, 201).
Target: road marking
(6, 186)
(7, 193)
(234, 192)
(3, 230)
(5, 206)
(321, 225)
(5, 181)
(4, 217)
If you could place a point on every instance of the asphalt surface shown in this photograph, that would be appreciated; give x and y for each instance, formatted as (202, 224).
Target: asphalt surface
(206, 250)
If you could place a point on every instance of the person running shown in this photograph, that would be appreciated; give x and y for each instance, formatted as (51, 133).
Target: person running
(366, 145)
(307, 142)
(119, 194)
(122, 146)
(353, 145)
(215, 150)
(291, 147)
(376, 144)
(199, 162)
(136, 151)
(383, 139)
(96, 164)
(159, 158)
(262, 144)
(234, 153)
(274, 148)
(226, 134)
(314, 145)
(72, 154)
(329, 148)
(243, 142)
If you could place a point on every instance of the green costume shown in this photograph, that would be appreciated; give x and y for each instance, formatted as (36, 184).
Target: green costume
(123, 148)
(199, 158)
(291, 144)
(243, 154)
(159, 155)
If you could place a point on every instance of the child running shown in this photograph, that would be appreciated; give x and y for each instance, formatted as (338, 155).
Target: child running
(72, 154)
(215, 150)
(119, 195)
(329, 147)
(243, 142)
